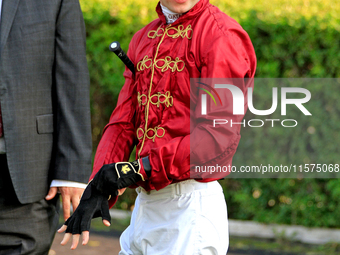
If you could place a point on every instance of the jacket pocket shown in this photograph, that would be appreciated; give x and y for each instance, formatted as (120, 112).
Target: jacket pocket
(45, 124)
(11, 247)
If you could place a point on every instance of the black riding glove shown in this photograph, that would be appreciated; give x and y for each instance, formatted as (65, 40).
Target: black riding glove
(112, 177)
(106, 183)
(92, 204)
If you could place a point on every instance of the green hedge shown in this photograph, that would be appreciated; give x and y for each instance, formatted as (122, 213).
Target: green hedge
(291, 39)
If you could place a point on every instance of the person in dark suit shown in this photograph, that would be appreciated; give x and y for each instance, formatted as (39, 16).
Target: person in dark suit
(45, 143)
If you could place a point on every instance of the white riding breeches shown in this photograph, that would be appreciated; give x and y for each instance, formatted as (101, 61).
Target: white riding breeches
(184, 218)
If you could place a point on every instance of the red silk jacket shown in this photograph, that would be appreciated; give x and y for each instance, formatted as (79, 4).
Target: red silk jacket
(153, 110)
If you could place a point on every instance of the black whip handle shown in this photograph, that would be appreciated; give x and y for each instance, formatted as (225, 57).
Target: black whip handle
(115, 47)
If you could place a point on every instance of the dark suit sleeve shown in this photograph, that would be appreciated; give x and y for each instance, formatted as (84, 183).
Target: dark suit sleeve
(73, 143)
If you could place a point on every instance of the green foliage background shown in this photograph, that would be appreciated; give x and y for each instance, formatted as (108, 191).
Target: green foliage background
(292, 39)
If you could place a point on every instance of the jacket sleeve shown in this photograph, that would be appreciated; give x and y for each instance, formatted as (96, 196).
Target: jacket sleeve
(119, 135)
(230, 55)
(73, 142)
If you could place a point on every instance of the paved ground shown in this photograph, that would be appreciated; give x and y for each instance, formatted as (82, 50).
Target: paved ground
(98, 244)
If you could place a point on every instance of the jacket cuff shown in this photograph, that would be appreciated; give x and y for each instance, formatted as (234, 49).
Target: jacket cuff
(66, 183)
(143, 169)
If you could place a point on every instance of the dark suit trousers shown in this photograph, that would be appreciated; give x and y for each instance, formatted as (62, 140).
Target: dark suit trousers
(28, 228)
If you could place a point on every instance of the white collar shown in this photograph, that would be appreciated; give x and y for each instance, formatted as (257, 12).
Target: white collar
(170, 16)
